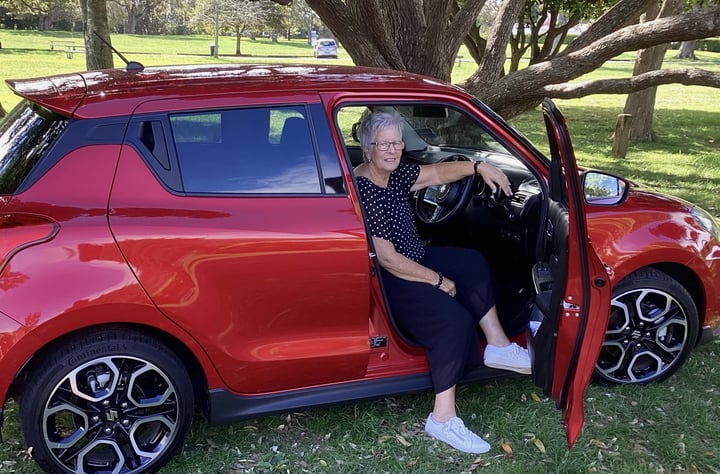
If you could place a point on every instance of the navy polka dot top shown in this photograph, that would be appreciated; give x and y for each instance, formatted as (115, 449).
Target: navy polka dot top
(388, 210)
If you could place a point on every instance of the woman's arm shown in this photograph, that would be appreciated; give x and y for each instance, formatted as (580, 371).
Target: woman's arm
(402, 267)
(450, 171)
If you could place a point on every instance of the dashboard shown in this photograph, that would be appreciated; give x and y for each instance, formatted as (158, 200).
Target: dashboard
(527, 193)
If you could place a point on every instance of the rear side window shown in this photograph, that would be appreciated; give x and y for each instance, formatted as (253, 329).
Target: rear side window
(26, 134)
(264, 150)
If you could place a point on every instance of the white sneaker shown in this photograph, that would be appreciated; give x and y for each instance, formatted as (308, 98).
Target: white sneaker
(454, 433)
(512, 357)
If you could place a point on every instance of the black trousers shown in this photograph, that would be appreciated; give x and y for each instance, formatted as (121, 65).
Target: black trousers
(446, 327)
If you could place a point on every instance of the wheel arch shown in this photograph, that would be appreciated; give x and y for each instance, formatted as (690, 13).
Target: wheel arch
(691, 282)
(183, 352)
(685, 276)
(673, 330)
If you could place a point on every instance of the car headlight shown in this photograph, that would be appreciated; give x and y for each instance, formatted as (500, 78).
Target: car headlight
(705, 220)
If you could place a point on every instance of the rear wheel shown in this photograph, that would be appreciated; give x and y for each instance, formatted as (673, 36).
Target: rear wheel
(113, 401)
(652, 329)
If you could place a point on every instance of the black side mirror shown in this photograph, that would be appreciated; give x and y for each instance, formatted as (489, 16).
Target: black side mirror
(602, 189)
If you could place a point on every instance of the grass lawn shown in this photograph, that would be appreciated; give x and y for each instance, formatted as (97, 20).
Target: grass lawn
(661, 428)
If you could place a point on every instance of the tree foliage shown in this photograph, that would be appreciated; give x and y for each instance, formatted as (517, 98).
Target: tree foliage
(234, 16)
(302, 18)
(543, 27)
(137, 11)
(46, 12)
(151, 16)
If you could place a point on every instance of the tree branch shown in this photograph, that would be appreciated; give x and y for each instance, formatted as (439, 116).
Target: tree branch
(686, 77)
(491, 65)
(701, 23)
(623, 13)
(462, 21)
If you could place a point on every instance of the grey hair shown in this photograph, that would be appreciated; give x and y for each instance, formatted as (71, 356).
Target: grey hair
(379, 121)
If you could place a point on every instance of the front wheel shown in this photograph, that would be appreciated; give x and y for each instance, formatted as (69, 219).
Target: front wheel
(652, 329)
(113, 401)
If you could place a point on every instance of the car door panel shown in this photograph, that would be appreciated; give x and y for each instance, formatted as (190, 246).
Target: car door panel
(572, 312)
(276, 286)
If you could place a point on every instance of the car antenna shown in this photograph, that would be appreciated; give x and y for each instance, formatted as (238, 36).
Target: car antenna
(130, 66)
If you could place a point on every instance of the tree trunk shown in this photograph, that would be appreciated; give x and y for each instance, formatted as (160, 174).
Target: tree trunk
(687, 50)
(474, 43)
(217, 33)
(387, 33)
(641, 105)
(493, 61)
(384, 33)
(132, 23)
(95, 20)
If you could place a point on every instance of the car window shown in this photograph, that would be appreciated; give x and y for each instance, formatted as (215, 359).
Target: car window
(264, 150)
(25, 135)
(426, 125)
(445, 126)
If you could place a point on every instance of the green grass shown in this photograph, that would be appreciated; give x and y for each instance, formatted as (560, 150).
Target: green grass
(668, 427)
(27, 54)
(661, 428)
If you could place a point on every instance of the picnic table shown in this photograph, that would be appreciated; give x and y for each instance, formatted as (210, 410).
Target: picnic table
(61, 43)
(70, 50)
(69, 45)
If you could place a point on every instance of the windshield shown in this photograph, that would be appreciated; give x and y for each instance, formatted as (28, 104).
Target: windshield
(427, 125)
(25, 134)
(442, 126)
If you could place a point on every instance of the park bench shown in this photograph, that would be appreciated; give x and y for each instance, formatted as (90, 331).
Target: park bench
(72, 49)
(61, 43)
(69, 45)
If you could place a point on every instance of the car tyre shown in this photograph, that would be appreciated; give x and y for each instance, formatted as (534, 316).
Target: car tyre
(113, 400)
(652, 329)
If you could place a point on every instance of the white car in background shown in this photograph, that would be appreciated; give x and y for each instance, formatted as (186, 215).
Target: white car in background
(326, 48)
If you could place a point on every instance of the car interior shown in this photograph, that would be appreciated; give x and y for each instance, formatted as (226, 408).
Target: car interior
(466, 214)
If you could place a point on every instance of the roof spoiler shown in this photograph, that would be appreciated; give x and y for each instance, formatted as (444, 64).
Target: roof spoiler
(130, 66)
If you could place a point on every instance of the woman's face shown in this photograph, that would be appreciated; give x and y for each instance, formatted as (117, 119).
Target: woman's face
(389, 159)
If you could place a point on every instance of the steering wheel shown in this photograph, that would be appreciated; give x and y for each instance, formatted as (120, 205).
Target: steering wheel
(440, 203)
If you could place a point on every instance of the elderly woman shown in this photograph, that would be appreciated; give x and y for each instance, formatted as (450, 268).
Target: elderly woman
(437, 295)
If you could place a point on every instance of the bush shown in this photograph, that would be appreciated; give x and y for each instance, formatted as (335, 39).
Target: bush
(709, 44)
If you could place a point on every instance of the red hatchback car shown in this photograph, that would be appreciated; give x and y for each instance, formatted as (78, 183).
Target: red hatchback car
(184, 237)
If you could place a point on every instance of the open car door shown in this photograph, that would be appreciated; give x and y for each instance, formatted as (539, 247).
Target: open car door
(573, 294)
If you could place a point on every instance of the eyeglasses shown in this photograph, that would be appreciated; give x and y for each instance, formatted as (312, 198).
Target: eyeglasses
(385, 146)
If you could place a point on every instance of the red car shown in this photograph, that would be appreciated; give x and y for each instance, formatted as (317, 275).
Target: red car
(183, 237)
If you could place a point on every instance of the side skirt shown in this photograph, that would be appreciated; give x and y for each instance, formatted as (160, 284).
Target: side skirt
(226, 407)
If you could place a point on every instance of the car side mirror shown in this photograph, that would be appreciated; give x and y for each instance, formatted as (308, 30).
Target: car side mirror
(602, 189)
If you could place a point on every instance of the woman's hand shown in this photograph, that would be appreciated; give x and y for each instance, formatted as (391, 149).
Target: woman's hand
(448, 286)
(494, 178)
